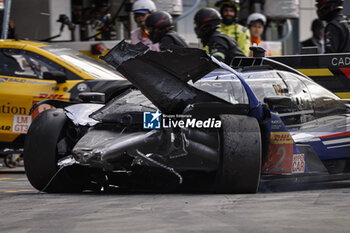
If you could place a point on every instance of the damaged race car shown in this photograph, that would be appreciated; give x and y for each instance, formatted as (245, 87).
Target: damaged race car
(191, 122)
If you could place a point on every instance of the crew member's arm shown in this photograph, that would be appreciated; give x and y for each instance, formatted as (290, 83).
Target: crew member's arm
(218, 49)
(136, 36)
(332, 39)
(165, 42)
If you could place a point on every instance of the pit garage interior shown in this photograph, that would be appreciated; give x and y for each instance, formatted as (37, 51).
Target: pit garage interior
(289, 21)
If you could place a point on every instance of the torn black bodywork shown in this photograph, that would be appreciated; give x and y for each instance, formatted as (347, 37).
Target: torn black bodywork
(120, 143)
(162, 76)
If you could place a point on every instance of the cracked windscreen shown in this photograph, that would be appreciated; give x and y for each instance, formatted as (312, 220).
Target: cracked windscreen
(223, 85)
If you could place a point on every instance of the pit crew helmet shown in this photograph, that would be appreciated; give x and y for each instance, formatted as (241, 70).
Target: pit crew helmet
(157, 24)
(255, 17)
(326, 8)
(229, 3)
(144, 6)
(206, 20)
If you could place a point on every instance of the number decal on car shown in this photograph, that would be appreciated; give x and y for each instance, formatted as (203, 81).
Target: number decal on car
(280, 154)
(276, 168)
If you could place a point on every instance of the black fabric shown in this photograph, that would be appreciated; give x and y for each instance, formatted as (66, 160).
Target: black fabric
(162, 76)
(308, 43)
(337, 35)
(219, 42)
(311, 42)
(172, 38)
(124, 51)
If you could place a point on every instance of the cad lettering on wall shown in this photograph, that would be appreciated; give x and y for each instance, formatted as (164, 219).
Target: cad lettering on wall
(342, 61)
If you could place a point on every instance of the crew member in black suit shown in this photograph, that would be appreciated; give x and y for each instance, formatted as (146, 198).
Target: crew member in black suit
(337, 31)
(317, 28)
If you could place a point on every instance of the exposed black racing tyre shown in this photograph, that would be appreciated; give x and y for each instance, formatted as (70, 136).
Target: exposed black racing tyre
(240, 162)
(40, 154)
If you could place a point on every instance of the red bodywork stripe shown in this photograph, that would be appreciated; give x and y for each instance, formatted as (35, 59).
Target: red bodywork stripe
(344, 134)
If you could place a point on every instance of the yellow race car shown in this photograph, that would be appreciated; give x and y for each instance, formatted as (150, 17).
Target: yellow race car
(31, 72)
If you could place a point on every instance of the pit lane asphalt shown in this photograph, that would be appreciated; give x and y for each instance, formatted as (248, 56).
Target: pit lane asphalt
(23, 209)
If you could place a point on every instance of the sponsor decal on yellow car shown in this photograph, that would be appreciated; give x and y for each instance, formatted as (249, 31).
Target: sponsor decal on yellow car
(17, 98)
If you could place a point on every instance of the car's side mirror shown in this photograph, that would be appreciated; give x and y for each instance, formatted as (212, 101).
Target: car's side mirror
(58, 76)
(278, 102)
(92, 97)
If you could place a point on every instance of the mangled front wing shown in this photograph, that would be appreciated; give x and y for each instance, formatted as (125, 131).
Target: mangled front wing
(187, 149)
